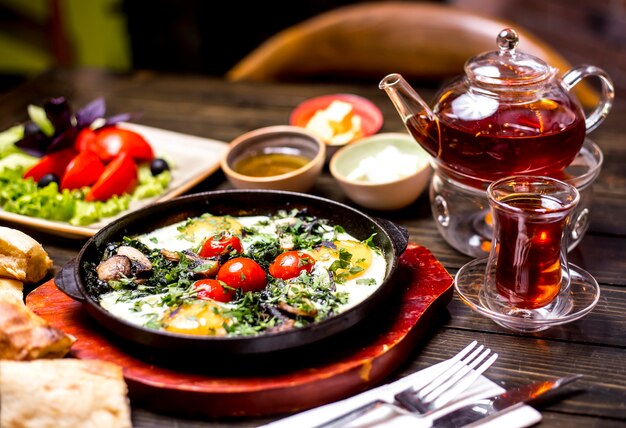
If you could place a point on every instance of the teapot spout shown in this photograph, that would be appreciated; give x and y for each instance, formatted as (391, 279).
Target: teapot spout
(415, 113)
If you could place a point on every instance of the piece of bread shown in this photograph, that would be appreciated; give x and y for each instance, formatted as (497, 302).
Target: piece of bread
(26, 336)
(11, 288)
(21, 257)
(63, 393)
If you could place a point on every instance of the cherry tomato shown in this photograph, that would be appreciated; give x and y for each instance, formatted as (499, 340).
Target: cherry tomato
(213, 289)
(83, 170)
(120, 176)
(53, 163)
(244, 273)
(219, 245)
(290, 263)
(113, 141)
(85, 140)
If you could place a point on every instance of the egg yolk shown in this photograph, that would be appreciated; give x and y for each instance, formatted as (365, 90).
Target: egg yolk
(204, 227)
(200, 318)
(356, 255)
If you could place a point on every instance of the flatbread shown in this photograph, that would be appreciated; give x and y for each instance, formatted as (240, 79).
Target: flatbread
(26, 336)
(23, 334)
(21, 257)
(63, 393)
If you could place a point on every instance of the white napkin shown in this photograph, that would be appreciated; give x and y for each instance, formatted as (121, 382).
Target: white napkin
(386, 416)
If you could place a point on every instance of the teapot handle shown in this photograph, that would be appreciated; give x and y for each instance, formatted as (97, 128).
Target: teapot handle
(575, 75)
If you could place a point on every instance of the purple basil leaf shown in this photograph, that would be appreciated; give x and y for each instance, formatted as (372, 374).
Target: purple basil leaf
(122, 117)
(63, 140)
(34, 144)
(59, 113)
(90, 112)
(30, 127)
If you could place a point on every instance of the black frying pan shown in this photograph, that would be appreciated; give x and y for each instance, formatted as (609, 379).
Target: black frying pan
(391, 238)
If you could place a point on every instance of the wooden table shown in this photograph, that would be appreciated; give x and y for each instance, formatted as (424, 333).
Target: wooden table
(594, 346)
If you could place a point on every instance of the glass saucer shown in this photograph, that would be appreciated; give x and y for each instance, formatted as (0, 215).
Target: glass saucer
(572, 303)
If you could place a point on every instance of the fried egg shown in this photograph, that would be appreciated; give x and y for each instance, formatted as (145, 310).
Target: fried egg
(199, 317)
(360, 257)
(365, 270)
(191, 234)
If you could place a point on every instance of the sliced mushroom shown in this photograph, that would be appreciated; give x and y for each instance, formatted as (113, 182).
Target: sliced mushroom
(114, 268)
(202, 267)
(193, 257)
(142, 264)
(285, 307)
(172, 256)
(208, 269)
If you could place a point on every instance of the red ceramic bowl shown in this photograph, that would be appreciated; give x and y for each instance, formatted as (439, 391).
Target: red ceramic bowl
(371, 116)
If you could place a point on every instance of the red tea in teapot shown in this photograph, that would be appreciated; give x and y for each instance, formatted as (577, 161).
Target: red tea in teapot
(539, 138)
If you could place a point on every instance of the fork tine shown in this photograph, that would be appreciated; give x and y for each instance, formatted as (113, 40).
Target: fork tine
(447, 365)
(464, 367)
(450, 373)
(449, 383)
(463, 383)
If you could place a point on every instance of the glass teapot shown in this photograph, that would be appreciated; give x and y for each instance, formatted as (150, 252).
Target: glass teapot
(509, 114)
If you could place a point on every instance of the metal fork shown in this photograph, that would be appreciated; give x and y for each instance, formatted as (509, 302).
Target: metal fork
(433, 390)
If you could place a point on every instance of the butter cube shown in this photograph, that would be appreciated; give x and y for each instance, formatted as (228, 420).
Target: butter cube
(339, 115)
(337, 124)
(319, 125)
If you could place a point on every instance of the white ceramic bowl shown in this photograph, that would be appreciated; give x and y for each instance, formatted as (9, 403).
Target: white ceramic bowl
(386, 171)
(271, 140)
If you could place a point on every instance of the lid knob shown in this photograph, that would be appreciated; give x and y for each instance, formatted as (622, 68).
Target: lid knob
(507, 41)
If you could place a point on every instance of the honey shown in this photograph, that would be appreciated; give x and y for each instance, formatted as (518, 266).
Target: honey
(270, 164)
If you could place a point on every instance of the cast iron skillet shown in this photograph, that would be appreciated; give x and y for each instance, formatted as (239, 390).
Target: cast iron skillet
(390, 237)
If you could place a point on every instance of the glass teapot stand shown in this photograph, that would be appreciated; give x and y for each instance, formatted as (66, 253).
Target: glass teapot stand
(461, 211)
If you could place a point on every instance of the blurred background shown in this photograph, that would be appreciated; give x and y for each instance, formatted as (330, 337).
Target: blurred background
(207, 37)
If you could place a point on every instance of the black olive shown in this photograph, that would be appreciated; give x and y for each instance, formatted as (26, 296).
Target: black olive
(157, 166)
(47, 179)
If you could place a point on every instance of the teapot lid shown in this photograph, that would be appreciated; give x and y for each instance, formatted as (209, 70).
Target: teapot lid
(507, 66)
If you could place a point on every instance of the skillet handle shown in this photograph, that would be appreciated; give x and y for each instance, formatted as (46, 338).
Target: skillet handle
(399, 234)
(65, 280)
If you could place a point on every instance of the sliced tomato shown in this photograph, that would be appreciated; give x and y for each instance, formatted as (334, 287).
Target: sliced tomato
(119, 176)
(54, 163)
(113, 141)
(290, 263)
(213, 289)
(83, 170)
(220, 245)
(85, 140)
(244, 273)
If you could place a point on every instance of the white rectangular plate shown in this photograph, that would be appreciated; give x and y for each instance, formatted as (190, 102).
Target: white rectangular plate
(192, 159)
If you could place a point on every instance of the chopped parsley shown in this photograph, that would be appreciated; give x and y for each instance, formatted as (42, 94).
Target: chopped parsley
(284, 303)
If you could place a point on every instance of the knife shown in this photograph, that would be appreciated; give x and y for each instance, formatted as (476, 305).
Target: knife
(493, 406)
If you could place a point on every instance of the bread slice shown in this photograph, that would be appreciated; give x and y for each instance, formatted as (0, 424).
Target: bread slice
(26, 336)
(63, 393)
(11, 288)
(21, 257)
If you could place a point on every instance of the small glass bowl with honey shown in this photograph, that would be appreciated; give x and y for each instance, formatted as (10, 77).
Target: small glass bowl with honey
(276, 158)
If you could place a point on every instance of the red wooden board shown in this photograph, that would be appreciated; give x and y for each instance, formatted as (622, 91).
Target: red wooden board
(340, 367)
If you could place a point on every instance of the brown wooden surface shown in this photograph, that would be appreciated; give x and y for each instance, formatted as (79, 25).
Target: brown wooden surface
(593, 346)
(341, 366)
